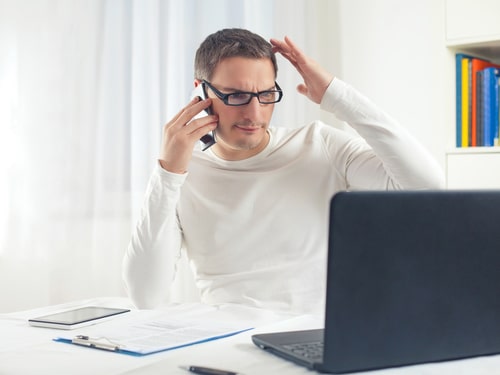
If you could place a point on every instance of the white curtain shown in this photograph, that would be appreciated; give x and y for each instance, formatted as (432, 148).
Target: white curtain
(85, 88)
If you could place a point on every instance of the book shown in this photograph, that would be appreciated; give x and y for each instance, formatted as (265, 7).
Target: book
(464, 130)
(458, 60)
(497, 128)
(489, 108)
(476, 64)
(480, 105)
(474, 114)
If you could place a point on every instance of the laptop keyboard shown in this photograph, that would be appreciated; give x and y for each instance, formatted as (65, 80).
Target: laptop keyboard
(311, 350)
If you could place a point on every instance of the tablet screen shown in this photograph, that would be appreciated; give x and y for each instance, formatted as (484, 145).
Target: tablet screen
(76, 317)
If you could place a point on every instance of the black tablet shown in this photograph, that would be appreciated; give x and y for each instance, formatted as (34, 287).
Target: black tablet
(76, 318)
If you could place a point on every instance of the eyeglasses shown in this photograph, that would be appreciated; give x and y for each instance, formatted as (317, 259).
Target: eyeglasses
(243, 98)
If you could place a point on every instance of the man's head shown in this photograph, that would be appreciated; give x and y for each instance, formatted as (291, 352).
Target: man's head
(230, 43)
(238, 70)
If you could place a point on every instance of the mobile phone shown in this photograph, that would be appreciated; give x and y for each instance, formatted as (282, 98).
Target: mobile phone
(76, 318)
(208, 139)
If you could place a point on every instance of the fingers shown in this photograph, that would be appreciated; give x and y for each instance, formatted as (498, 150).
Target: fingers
(187, 113)
(290, 51)
(316, 79)
(286, 47)
(185, 128)
(281, 47)
(179, 114)
(181, 134)
(278, 45)
(201, 126)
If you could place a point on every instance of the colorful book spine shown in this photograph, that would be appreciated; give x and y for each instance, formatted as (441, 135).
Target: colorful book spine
(477, 65)
(480, 105)
(458, 59)
(477, 101)
(490, 105)
(497, 128)
(465, 103)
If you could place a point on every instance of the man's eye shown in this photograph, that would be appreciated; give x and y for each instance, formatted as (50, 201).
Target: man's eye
(267, 95)
(239, 96)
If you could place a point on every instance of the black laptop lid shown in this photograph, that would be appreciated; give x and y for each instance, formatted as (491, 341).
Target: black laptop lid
(413, 277)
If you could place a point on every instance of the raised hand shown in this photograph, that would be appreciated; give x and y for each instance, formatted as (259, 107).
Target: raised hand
(316, 79)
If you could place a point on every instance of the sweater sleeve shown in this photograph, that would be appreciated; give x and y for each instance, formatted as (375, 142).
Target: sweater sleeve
(394, 159)
(149, 262)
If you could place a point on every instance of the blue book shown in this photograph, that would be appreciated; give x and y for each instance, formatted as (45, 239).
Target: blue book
(480, 105)
(497, 128)
(490, 106)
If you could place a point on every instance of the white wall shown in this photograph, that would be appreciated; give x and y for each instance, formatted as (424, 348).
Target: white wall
(313, 27)
(394, 52)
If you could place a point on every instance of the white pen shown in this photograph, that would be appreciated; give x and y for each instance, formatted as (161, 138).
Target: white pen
(207, 371)
(95, 343)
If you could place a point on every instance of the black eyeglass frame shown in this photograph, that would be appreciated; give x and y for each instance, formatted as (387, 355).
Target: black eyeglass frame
(225, 97)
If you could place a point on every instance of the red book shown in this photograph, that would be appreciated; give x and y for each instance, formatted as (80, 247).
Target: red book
(477, 65)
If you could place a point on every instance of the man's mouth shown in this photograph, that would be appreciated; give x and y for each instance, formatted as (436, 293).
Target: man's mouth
(248, 128)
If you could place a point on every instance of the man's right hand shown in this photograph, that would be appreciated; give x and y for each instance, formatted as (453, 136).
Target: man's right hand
(181, 134)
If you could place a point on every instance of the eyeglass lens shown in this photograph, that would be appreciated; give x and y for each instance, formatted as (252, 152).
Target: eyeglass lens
(245, 98)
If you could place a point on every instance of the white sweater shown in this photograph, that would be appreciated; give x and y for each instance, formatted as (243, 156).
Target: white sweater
(255, 230)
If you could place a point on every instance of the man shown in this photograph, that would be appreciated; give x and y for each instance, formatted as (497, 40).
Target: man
(252, 210)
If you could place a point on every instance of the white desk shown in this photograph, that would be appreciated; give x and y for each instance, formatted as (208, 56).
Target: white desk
(30, 350)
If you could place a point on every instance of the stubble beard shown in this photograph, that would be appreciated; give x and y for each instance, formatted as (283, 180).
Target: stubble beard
(250, 142)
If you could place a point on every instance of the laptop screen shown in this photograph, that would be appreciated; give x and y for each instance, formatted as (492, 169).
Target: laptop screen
(413, 277)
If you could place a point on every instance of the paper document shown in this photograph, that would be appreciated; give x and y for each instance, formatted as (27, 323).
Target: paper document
(152, 336)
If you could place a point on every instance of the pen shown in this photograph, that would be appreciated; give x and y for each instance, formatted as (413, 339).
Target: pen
(207, 371)
(95, 343)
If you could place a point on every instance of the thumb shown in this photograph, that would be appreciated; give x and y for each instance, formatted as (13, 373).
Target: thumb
(302, 89)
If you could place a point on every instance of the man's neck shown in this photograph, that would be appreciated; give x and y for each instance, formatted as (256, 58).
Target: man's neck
(226, 152)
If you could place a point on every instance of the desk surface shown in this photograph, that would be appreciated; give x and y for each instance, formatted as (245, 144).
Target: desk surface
(31, 350)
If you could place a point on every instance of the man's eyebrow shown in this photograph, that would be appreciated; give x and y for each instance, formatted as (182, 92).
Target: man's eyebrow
(231, 89)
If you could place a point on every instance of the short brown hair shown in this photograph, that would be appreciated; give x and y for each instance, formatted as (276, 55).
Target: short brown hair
(230, 43)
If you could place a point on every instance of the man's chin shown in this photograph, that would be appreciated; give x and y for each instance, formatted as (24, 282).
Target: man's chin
(247, 143)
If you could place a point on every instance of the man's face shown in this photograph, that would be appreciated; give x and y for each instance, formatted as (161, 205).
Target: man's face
(242, 130)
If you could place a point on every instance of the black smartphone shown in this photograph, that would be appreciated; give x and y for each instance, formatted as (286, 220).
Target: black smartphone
(208, 139)
(76, 318)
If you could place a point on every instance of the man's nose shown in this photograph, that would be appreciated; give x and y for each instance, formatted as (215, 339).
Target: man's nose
(254, 106)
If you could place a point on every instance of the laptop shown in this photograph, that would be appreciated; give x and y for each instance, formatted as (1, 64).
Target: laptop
(413, 277)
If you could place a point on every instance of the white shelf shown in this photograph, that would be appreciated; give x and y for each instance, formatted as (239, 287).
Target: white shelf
(472, 27)
(488, 49)
(468, 170)
(489, 41)
(473, 150)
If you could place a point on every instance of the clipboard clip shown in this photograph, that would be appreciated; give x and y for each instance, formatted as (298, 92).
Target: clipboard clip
(97, 343)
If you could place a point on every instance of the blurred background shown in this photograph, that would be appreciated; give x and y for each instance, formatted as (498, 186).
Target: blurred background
(86, 86)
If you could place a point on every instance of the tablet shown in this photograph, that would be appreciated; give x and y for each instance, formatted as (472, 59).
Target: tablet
(76, 318)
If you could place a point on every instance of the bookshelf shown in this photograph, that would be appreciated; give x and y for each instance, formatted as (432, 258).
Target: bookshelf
(472, 28)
